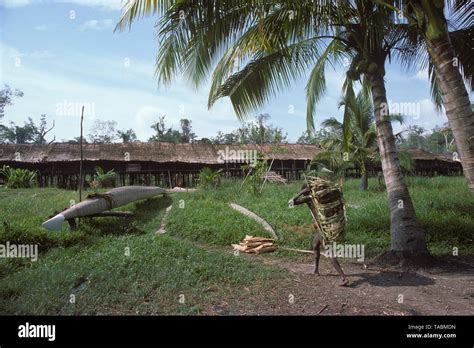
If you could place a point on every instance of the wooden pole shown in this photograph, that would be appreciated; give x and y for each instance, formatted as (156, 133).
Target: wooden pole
(81, 181)
(266, 174)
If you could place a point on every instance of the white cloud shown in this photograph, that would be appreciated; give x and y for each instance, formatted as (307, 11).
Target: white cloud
(144, 117)
(426, 115)
(12, 58)
(129, 101)
(96, 24)
(109, 5)
(422, 75)
(14, 3)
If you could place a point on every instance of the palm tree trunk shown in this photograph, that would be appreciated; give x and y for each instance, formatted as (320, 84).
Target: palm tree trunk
(456, 103)
(407, 237)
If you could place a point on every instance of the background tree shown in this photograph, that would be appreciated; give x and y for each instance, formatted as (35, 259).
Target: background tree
(28, 133)
(259, 131)
(204, 141)
(160, 129)
(7, 95)
(170, 135)
(415, 138)
(313, 137)
(357, 146)
(444, 48)
(439, 140)
(127, 136)
(102, 132)
(187, 135)
(42, 130)
(225, 138)
(19, 134)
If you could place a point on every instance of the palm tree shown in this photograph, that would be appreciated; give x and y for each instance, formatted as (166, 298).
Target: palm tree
(262, 46)
(449, 60)
(353, 140)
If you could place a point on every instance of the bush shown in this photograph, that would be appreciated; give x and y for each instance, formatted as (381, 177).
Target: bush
(104, 179)
(209, 178)
(19, 178)
(255, 178)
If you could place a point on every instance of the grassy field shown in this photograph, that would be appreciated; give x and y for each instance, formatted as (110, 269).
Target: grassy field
(444, 208)
(111, 266)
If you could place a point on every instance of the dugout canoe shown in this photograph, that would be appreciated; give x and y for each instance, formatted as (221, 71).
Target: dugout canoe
(97, 203)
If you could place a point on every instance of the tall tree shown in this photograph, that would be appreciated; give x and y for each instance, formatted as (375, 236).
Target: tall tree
(357, 146)
(187, 135)
(354, 140)
(450, 59)
(272, 43)
(42, 130)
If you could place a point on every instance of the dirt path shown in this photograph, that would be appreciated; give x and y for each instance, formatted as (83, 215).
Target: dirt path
(437, 292)
(448, 291)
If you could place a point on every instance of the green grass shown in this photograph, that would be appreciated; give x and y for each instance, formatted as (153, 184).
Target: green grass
(152, 279)
(443, 204)
(91, 262)
(23, 211)
(206, 220)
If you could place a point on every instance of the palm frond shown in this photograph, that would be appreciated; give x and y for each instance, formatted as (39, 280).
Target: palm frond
(333, 124)
(136, 9)
(350, 102)
(316, 85)
(462, 12)
(265, 76)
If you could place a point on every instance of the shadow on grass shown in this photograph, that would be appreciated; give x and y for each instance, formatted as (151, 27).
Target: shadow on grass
(146, 210)
(143, 211)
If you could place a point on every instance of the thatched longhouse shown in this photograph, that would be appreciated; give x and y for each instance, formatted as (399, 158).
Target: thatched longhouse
(153, 163)
(428, 163)
(166, 164)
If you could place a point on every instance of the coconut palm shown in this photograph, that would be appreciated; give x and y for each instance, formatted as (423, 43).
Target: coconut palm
(262, 46)
(354, 140)
(444, 47)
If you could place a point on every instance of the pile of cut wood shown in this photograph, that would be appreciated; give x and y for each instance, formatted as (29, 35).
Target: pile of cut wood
(256, 245)
(274, 177)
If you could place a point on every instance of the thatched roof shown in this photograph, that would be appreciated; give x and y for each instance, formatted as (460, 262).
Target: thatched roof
(168, 152)
(153, 151)
(422, 155)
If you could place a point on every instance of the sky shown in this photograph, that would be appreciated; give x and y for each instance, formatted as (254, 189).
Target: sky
(64, 53)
